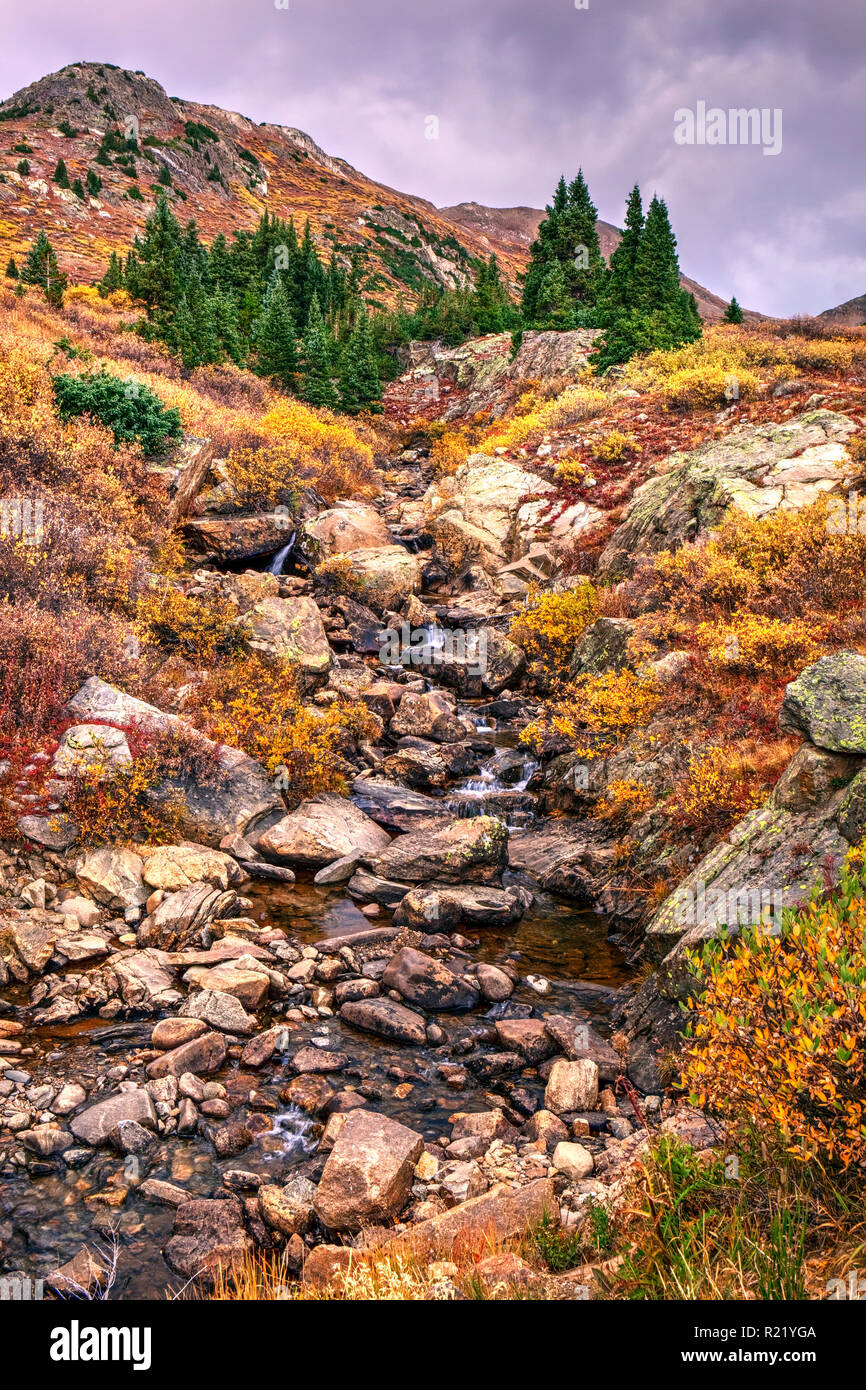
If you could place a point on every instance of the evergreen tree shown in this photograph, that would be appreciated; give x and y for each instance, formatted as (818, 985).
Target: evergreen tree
(113, 277)
(620, 290)
(155, 270)
(553, 307)
(360, 388)
(580, 249)
(273, 336)
(41, 268)
(12, 269)
(78, 189)
(491, 304)
(657, 311)
(164, 176)
(318, 388)
(94, 184)
(733, 313)
(60, 176)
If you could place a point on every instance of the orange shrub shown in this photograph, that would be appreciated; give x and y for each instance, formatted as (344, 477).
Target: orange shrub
(324, 451)
(779, 1033)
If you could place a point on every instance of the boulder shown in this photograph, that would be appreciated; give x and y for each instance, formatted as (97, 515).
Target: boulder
(386, 1019)
(494, 984)
(172, 867)
(467, 851)
(432, 715)
(573, 1160)
(114, 877)
(439, 908)
(526, 1036)
(571, 1086)
(231, 538)
(368, 1175)
(290, 630)
(240, 796)
(396, 807)
(827, 703)
(200, 1056)
(347, 526)
(384, 576)
(94, 1125)
(322, 830)
(428, 983)
(221, 1011)
(287, 1209)
(91, 748)
(249, 987)
(208, 1238)
(501, 1214)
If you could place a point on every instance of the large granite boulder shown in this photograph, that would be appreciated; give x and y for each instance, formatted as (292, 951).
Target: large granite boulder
(474, 850)
(827, 703)
(322, 830)
(367, 1178)
(290, 630)
(428, 983)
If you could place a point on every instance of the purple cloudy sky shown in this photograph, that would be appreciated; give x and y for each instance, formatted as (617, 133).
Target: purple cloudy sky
(524, 89)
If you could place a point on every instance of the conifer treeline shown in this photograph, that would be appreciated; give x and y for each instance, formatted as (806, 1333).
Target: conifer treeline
(266, 301)
(637, 300)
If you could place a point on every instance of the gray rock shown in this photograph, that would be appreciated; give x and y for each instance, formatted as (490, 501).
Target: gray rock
(94, 1125)
(367, 1178)
(386, 1019)
(428, 983)
(827, 703)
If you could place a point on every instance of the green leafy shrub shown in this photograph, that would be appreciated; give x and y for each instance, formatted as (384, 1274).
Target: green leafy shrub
(131, 411)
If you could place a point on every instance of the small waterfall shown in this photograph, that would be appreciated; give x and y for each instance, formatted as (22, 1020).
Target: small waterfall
(293, 1127)
(276, 565)
(487, 791)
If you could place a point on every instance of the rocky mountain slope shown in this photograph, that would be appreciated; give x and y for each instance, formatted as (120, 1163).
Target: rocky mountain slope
(851, 314)
(225, 170)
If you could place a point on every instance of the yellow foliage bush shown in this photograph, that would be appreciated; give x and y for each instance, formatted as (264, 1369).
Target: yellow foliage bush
(606, 707)
(324, 451)
(259, 708)
(754, 645)
(709, 386)
(199, 629)
(570, 469)
(123, 807)
(613, 446)
(574, 405)
(729, 351)
(264, 478)
(719, 789)
(624, 800)
(779, 1034)
(549, 626)
(448, 452)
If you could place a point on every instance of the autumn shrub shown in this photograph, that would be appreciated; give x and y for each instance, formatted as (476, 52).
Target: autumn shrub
(751, 644)
(132, 412)
(449, 452)
(259, 708)
(572, 407)
(598, 713)
(570, 470)
(264, 478)
(708, 387)
(45, 657)
(551, 623)
(613, 446)
(201, 629)
(718, 790)
(624, 800)
(778, 1035)
(325, 452)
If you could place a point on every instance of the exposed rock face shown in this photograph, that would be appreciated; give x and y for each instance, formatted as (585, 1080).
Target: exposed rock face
(502, 1212)
(827, 703)
(603, 647)
(424, 981)
(344, 527)
(242, 797)
(467, 851)
(368, 1175)
(384, 575)
(231, 538)
(757, 468)
(322, 830)
(91, 748)
(290, 630)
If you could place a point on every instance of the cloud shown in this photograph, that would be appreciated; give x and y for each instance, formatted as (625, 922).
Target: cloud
(526, 89)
